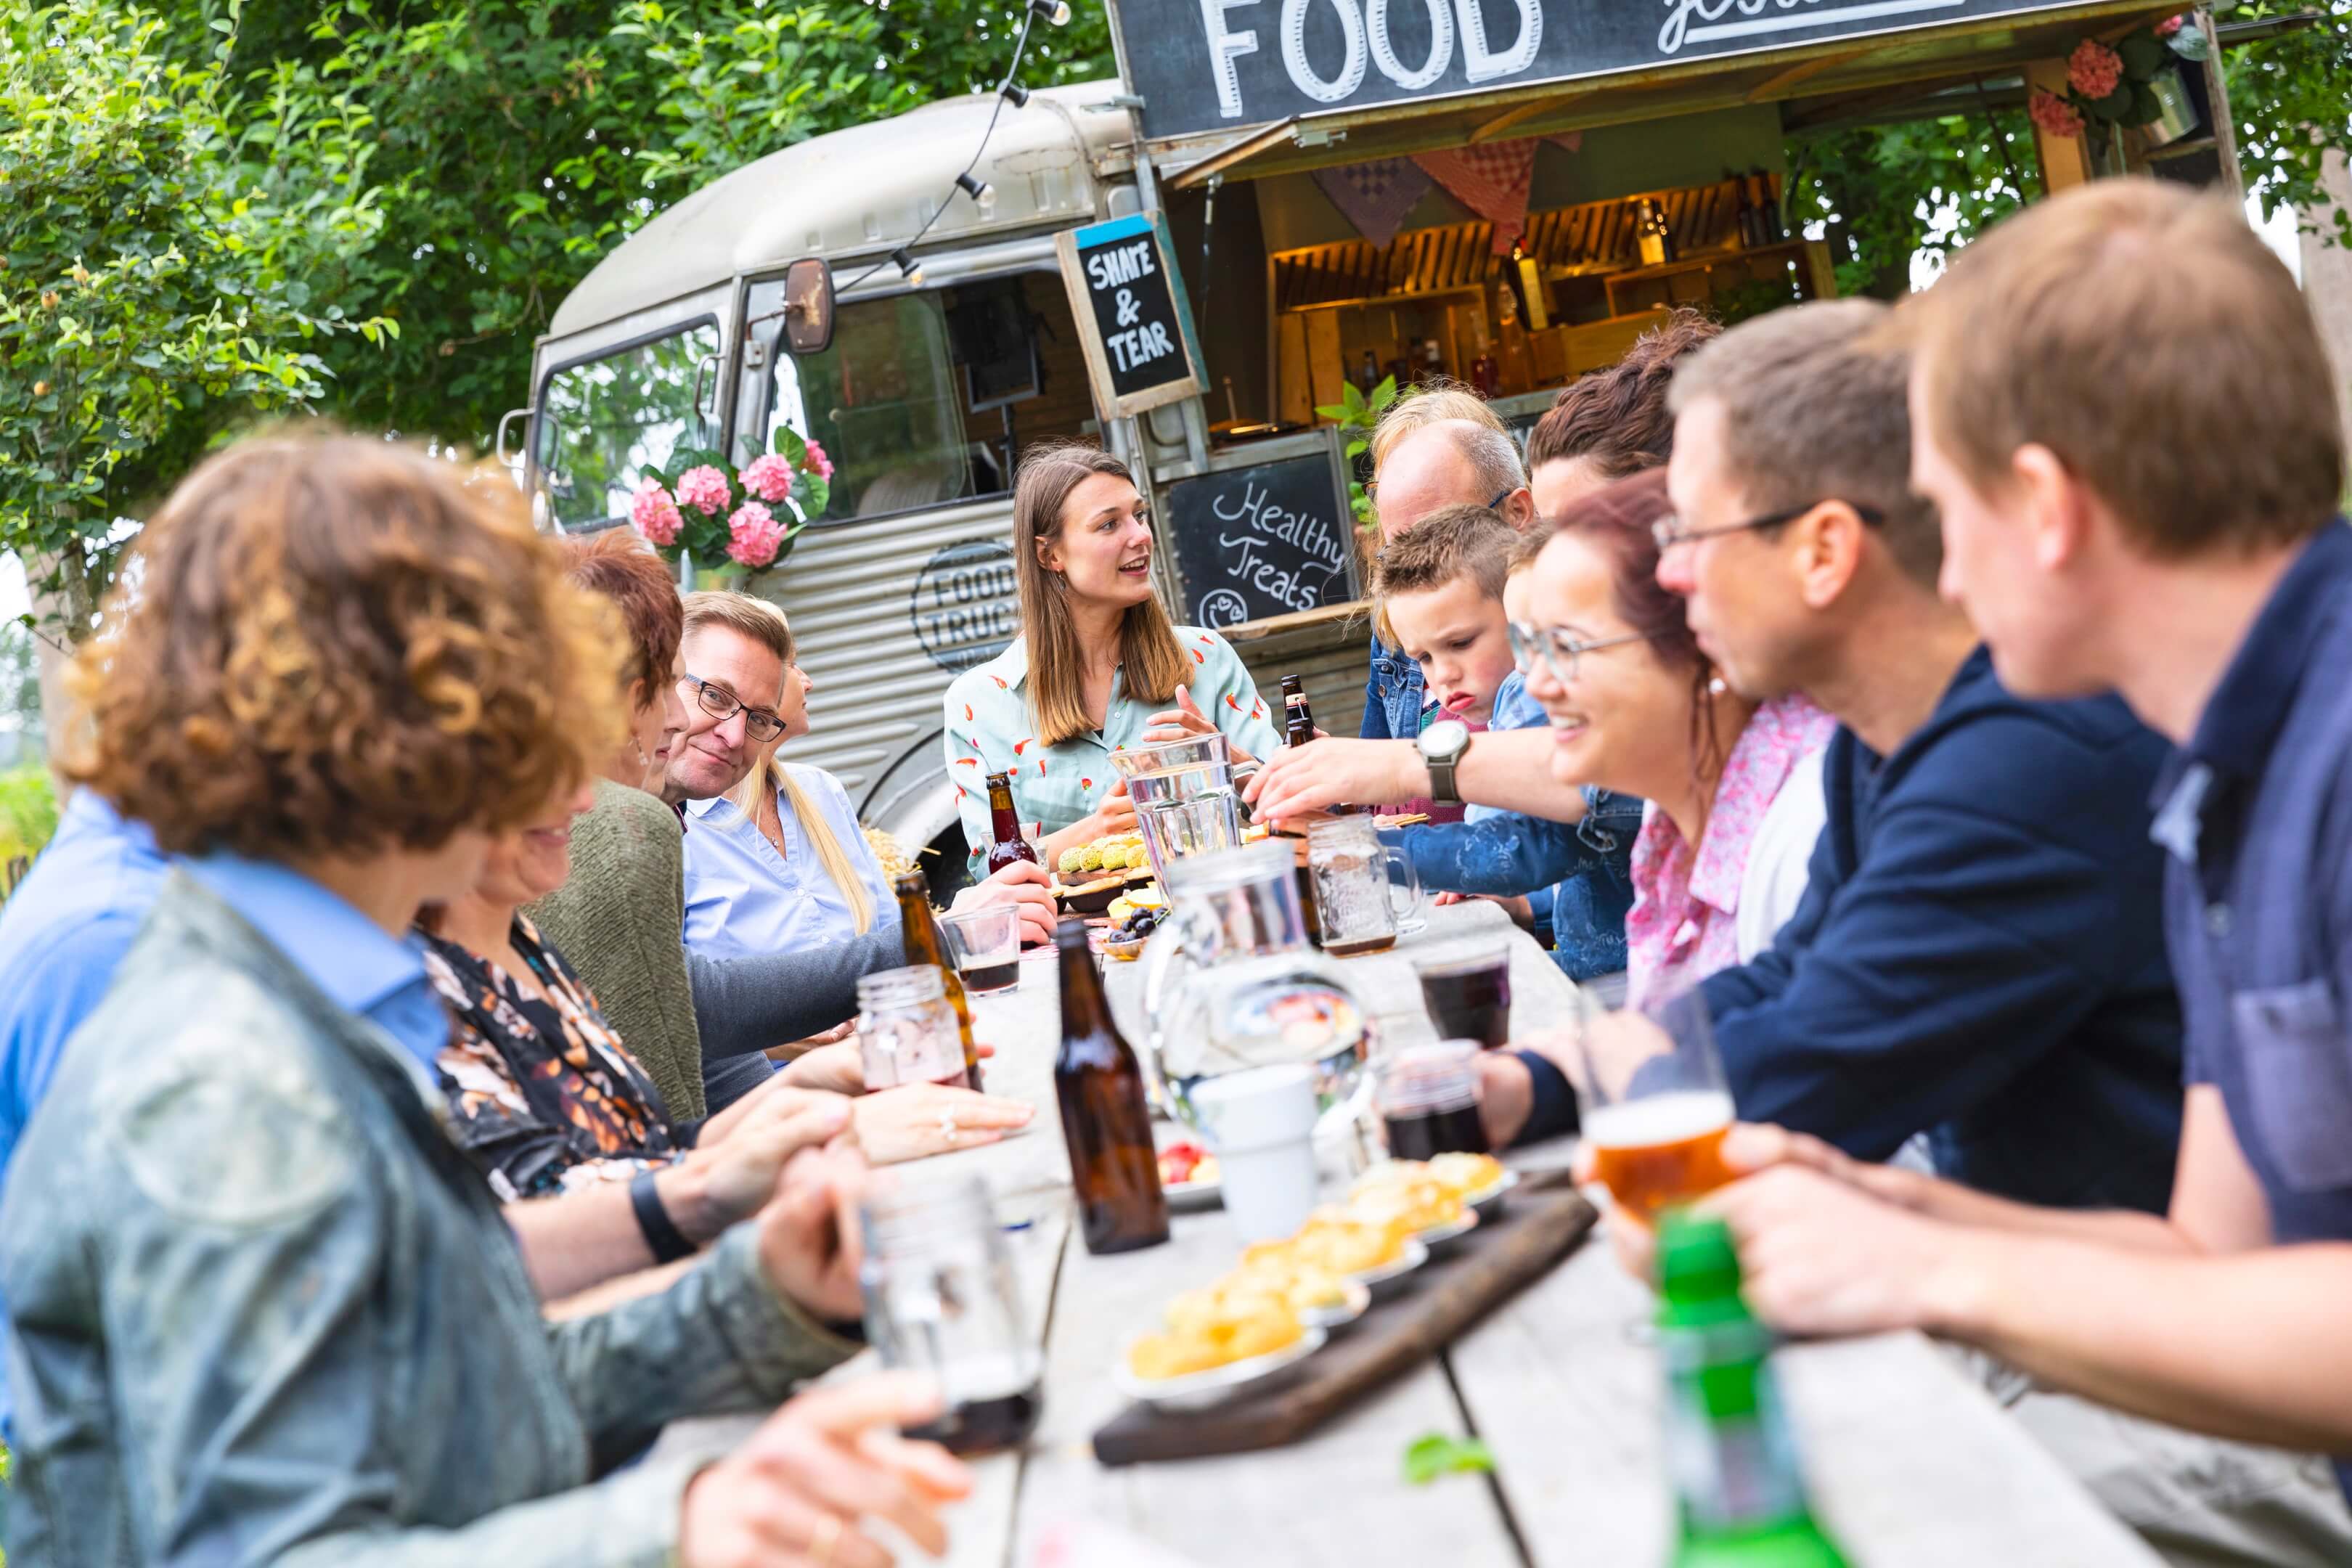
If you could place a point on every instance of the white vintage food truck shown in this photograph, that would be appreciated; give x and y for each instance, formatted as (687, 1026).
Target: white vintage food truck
(1276, 199)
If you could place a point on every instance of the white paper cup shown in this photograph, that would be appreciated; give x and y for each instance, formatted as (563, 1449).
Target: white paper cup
(1261, 1125)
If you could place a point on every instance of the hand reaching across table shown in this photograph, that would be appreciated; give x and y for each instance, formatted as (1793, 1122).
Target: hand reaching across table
(1184, 721)
(841, 1068)
(1298, 780)
(797, 1492)
(1026, 886)
(916, 1120)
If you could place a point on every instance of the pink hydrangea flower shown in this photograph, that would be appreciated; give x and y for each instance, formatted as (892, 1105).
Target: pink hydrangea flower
(704, 490)
(754, 535)
(769, 478)
(2093, 69)
(822, 465)
(655, 513)
(2171, 24)
(2053, 115)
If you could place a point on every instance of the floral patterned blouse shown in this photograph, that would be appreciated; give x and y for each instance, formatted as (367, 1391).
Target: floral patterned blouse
(543, 1097)
(1684, 924)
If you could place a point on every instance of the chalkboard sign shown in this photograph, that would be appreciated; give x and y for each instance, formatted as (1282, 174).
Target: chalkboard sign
(1220, 64)
(1133, 321)
(1259, 542)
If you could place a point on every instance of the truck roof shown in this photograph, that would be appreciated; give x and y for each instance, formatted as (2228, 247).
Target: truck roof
(864, 189)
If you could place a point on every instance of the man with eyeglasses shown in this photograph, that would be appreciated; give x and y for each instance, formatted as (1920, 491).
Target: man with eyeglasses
(1978, 956)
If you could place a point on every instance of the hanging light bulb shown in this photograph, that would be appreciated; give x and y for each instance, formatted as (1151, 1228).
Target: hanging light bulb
(1055, 13)
(977, 190)
(1016, 95)
(908, 267)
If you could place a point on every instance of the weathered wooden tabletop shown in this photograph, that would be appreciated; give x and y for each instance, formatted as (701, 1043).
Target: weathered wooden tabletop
(1910, 1465)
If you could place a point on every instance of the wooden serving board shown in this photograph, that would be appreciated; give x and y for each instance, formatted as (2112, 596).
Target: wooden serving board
(1541, 1222)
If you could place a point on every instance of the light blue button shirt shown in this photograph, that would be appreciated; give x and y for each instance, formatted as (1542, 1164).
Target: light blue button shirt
(742, 898)
(65, 932)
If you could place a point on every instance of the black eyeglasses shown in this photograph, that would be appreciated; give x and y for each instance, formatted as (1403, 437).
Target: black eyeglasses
(1559, 651)
(1670, 531)
(722, 705)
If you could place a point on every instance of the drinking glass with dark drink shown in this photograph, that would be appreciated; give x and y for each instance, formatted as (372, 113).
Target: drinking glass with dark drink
(906, 1031)
(1469, 999)
(942, 1296)
(1106, 1117)
(1655, 1107)
(1006, 843)
(986, 946)
(1428, 1098)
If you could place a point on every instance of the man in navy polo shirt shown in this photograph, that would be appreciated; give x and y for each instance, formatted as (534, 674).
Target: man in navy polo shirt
(2122, 410)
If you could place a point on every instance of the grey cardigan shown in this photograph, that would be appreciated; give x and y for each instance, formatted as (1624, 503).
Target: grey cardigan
(263, 1310)
(695, 1023)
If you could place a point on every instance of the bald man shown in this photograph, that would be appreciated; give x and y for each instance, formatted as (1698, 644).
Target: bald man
(1442, 463)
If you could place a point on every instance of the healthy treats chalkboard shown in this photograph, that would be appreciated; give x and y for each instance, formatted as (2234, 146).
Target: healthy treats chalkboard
(1260, 542)
(1210, 65)
(1133, 321)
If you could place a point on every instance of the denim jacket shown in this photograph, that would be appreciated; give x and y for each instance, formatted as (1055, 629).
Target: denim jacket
(1580, 872)
(265, 1312)
(1393, 696)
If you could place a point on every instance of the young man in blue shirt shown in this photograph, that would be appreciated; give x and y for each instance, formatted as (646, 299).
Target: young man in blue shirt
(2151, 510)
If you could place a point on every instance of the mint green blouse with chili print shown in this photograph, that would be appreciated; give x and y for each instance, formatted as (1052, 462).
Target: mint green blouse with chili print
(989, 730)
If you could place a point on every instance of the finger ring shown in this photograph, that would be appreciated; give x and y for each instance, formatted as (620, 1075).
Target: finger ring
(948, 1125)
(821, 1541)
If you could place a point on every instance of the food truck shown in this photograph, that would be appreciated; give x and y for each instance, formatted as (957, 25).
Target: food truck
(1276, 199)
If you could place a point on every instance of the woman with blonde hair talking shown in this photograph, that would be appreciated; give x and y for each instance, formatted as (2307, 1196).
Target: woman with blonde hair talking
(1098, 664)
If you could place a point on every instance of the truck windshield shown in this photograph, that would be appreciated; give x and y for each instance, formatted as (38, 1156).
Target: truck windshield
(886, 404)
(602, 422)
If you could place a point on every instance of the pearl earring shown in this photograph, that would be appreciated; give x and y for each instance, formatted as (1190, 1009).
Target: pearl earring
(1715, 686)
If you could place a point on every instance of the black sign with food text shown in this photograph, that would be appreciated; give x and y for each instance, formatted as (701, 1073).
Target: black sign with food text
(1132, 319)
(1209, 65)
(1260, 542)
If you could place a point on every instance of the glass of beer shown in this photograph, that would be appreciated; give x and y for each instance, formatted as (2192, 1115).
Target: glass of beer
(984, 944)
(941, 1297)
(1469, 999)
(1655, 1107)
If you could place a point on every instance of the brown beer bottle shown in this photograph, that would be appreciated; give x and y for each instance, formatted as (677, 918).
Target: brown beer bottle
(1105, 1120)
(924, 945)
(1298, 729)
(1005, 829)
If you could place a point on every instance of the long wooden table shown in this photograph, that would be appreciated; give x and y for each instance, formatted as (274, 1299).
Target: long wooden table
(1911, 1466)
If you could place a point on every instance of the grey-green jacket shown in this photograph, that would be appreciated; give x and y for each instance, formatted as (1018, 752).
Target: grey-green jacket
(264, 1311)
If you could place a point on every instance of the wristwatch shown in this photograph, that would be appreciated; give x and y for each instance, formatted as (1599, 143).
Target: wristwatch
(1441, 745)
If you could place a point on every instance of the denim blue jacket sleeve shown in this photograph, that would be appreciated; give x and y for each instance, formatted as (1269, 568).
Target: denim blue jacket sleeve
(1376, 713)
(1511, 852)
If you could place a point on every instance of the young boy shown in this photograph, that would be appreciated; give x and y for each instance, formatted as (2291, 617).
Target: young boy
(1440, 596)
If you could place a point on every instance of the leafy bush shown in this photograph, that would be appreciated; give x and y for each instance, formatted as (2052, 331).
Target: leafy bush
(28, 812)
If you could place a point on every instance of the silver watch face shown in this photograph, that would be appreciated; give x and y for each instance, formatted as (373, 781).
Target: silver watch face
(1444, 738)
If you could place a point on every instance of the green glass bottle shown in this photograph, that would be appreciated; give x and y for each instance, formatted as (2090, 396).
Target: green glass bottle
(1738, 1491)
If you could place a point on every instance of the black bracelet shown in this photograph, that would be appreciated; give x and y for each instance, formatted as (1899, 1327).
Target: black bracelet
(668, 1243)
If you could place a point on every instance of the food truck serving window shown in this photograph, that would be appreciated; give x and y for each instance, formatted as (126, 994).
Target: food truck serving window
(928, 397)
(601, 422)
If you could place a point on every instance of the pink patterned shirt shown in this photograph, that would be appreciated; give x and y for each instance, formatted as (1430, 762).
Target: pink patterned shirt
(1682, 927)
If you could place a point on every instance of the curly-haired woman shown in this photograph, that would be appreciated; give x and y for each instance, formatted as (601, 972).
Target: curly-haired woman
(261, 1309)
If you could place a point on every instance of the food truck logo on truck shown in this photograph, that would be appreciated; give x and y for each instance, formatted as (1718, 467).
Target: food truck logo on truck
(1206, 65)
(965, 606)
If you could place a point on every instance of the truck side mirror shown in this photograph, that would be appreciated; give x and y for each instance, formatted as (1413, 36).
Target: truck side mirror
(808, 306)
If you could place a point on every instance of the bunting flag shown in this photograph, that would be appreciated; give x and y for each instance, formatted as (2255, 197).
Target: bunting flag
(1375, 196)
(1567, 142)
(1491, 181)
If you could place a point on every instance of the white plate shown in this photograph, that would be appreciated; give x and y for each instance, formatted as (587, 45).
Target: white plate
(1438, 1236)
(1190, 1197)
(1390, 1278)
(1199, 1390)
(1488, 1200)
(1339, 1314)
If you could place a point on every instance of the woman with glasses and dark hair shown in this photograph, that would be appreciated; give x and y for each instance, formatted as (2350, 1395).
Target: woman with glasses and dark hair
(1636, 706)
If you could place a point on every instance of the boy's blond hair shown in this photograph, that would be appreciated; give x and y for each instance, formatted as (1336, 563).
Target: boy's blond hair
(1453, 542)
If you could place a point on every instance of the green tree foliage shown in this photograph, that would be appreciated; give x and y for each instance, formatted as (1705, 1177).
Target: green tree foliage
(514, 142)
(1886, 193)
(148, 298)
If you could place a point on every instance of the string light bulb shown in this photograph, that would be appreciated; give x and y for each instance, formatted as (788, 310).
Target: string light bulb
(1054, 13)
(908, 267)
(977, 190)
(1016, 95)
